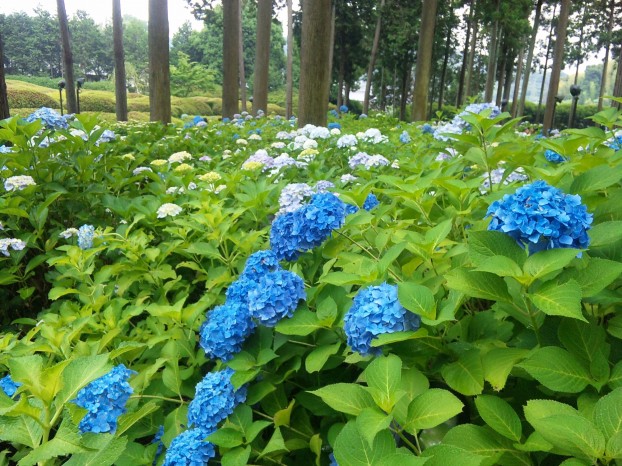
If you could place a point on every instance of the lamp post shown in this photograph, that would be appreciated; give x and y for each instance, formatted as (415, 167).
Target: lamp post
(80, 82)
(61, 86)
(575, 91)
(558, 99)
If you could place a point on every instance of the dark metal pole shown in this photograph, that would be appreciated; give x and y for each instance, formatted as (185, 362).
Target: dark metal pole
(575, 91)
(61, 86)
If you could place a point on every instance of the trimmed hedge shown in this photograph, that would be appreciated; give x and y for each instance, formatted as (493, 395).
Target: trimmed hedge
(29, 99)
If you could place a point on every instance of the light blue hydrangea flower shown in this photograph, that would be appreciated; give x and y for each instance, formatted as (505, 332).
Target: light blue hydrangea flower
(275, 297)
(8, 386)
(615, 142)
(405, 137)
(334, 125)
(85, 236)
(343, 109)
(427, 129)
(190, 449)
(542, 217)
(49, 117)
(371, 201)
(554, 157)
(333, 461)
(214, 400)
(226, 329)
(376, 311)
(104, 399)
(157, 439)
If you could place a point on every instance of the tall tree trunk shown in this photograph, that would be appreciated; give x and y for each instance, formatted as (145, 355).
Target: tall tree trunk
(431, 97)
(70, 87)
(404, 87)
(231, 62)
(383, 90)
(119, 62)
(372, 58)
(289, 101)
(465, 52)
(331, 49)
(519, 71)
(314, 62)
(262, 56)
(441, 89)
(492, 57)
(242, 69)
(617, 88)
(159, 73)
(507, 85)
(424, 60)
(4, 98)
(468, 79)
(532, 44)
(346, 92)
(558, 62)
(546, 65)
(603, 79)
(341, 76)
(501, 73)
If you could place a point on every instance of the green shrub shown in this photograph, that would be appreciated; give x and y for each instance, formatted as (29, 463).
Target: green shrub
(44, 81)
(30, 99)
(96, 103)
(100, 86)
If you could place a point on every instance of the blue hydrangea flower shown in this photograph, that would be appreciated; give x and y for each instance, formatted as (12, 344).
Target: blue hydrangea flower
(615, 143)
(5, 150)
(260, 263)
(376, 311)
(371, 201)
(85, 236)
(285, 235)
(190, 449)
(8, 386)
(333, 461)
(542, 217)
(104, 399)
(226, 329)
(351, 209)
(276, 297)
(427, 129)
(405, 137)
(214, 400)
(343, 109)
(238, 291)
(554, 157)
(157, 438)
(334, 125)
(49, 117)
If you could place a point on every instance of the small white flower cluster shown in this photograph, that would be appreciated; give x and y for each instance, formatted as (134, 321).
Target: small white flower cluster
(17, 183)
(347, 178)
(373, 136)
(179, 157)
(347, 140)
(168, 210)
(13, 243)
(496, 176)
(368, 161)
(68, 233)
(138, 170)
(314, 132)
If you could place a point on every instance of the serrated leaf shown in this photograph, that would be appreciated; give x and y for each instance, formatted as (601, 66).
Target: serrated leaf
(498, 364)
(608, 413)
(23, 430)
(237, 456)
(559, 299)
(478, 285)
(478, 440)
(572, 435)
(431, 408)
(417, 299)
(107, 449)
(396, 337)
(544, 262)
(226, 437)
(501, 266)
(565, 375)
(302, 323)
(78, 374)
(351, 448)
(613, 449)
(347, 398)
(403, 459)
(383, 377)
(596, 178)
(127, 420)
(444, 455)
(275, 445)
(317, 358)
(371, 421)
(486, 244)
(605, 233)
(499, 416)
(66, 442)
(466, 375)
(598, 274)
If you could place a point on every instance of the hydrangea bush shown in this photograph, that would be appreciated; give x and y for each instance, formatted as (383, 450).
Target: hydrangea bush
(261, 294)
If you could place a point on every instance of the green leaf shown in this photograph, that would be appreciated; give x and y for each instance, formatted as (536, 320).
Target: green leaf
(390, 256)
(23, 430)
(108, 448)
(559, 299)
(383, 377)
(318, 357)
(596, 178)
(445, 455)
(501, 266)
(403, 459)
(605, 233)
(478, 440)
(275, 445)
(237, 456)
(65, 442)
(59, 292)
(483, 285)
(615, 380)
(28, 370)
(486, 244)
(498, 364)
(127, 420)
(499, 416)
(371, 421)
(396, 337)
(598, 274)
(79, 373)
(572, 435)
(417, 299)
(584, 340)
(466, 375)
(347, 398)
(302, 323)
(226, 437)
(613, 449)
(565, 375)
(608, 413)
(544, 262)
(351, 448)
(431, 408)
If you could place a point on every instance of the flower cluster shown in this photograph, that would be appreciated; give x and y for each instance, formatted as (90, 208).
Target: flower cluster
(5, 150)
(179, 157)
(214, 400)
(368, 161)
(225, 330)
(371, 201)
(376, 311)
(168, 209)
(458, 124)
(260, 263)
(615, 142)
(189, 449)
(8, 385)
(554, 157)
(68, 233)
(292, 197)
(306, 227)
(13, 243)
(347, 140)
(85, 236)
(497, 176)
(49, 117)
(373, 136)
(104, 399)
(405, 137)
(542, 217)
(275, 297)
(17, 183)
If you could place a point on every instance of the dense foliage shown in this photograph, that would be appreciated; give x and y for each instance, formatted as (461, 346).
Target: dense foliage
(305, 296)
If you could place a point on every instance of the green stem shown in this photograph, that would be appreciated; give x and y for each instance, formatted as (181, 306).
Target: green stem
(413, 447)
(158, 398)
(302, 434)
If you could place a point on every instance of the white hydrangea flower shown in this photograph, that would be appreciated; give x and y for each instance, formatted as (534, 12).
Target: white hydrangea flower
(179, 157)
(68, 233)
(17, 183)
(169, 210)
(13, 243)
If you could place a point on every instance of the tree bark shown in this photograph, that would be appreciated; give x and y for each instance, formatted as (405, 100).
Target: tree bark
(119, 62)
(231, 60)
(159, 72)
(424, 60)
(468, 79)
(441, 90)
(546, 65)
(532, 44)
(404, 92)
(509, 67)
(4, 98)
(262, 56)
(372, 58)
(460, 96)
(314, 62)
(501, 73)
(519, 71)
(341, 77)
(241, 68)
(383, 90)
(492, 58)
(558, 58)
(289, 100)
(331, 49)
(603, 78)
(617, 88)
(70, 87)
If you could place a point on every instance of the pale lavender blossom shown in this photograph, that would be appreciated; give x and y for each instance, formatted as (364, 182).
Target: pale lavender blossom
(13, 243)
(293, 196)
(17, 183)
(323, 186)
(347, 140)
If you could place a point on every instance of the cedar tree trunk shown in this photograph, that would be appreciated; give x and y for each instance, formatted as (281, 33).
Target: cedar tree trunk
(119, 62)
(424, 60)
(262, 56)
